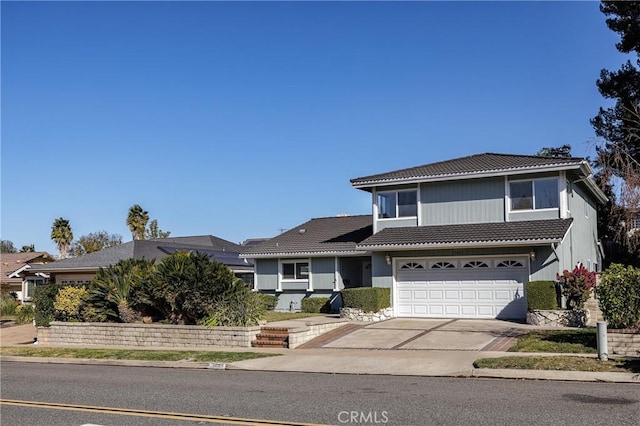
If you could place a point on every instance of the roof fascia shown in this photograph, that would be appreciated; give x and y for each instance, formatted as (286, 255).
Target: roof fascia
(483, 244)
(303, 253)
(474, 175)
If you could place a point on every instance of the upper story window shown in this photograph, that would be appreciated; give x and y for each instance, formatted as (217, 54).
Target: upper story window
(534, 194)
(295, 270)
(395, 204)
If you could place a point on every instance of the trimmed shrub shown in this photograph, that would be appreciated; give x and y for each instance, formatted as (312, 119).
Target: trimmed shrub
(541, 295)
(368, 299)
(619, 296)
(316, 305)
(268, 300)
(43, 299)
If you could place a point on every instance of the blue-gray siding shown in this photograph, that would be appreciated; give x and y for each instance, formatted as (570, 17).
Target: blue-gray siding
(469, 201)
(323, 273)
(266, 274)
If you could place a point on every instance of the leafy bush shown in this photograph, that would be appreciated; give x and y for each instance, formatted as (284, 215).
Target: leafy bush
(576, 286)
(541, 295)
(68, 302)
(619, 296)
(315, 305)
(43, 300)
(238, 306)
(368, 299)
(24, 314)
(268, 300)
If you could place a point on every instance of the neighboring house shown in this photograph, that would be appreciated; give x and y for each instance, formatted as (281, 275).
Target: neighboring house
(79, 270)
(14, 266)
(456, 238)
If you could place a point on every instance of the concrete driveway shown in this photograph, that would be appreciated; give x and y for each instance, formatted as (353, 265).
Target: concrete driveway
(430, 334)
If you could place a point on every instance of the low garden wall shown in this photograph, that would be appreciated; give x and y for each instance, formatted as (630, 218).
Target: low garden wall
(355, 314)
(623, 342)
(145, 335)
(300, 335)
(558, 318)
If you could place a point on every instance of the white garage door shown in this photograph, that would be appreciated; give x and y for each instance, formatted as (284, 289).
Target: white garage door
(461, 288)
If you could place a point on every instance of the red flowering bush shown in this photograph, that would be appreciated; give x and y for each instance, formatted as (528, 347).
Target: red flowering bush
(576, 285)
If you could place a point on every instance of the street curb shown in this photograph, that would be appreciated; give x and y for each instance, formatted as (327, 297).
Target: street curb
(118, 362)
(488, 373)
(558, 375)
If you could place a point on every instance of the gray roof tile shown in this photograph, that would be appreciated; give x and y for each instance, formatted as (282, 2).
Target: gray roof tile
(461, 234)
(320, 235)
(147, 249)
(478, 163)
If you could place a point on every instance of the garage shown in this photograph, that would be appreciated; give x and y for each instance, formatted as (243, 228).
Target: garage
(461, 288)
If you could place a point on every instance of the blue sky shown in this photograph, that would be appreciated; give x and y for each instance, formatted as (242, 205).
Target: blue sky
(241, 119)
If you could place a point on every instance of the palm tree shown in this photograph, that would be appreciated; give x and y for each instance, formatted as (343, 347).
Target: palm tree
(62, 235)
(137, 221)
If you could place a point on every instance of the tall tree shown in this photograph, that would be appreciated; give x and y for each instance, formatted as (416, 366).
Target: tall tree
(6, 246)
(93, 242)
(563, 151)
(153, 231)
(618, 126)
(29, 248)
(62, 235)
(137, 221)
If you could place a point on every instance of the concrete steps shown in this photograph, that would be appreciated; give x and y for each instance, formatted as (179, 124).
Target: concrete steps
(272, 337)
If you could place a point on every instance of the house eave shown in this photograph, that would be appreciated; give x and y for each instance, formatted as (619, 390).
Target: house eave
(465, 244)
(473, 175)
(304, 253)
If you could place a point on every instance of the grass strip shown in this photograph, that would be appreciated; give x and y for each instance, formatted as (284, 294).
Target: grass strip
(271, 316)
(132, 354)
(564, 363)
(573, 341)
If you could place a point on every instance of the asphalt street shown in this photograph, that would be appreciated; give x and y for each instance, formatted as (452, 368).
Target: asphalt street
(301, 397)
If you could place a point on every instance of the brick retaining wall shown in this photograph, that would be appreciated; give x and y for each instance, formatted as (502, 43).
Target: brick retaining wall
(145, 335)
(622, 342)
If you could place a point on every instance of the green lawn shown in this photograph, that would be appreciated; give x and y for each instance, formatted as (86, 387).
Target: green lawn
(567, 363)
(574, 341)
(132, 354)
(271, 316)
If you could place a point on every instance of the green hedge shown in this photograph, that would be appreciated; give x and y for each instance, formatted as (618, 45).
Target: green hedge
(43, 299)
(369, 299)
(268, 300)
(314, 305)
(619, 296)
(541, 295)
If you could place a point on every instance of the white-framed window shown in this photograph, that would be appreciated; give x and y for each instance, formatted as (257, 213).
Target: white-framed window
(534, 194)
(31, 286)
(443, 265)
(413, 265)
(395, 204)
(509, 264)
(293, 270)
(475, 264)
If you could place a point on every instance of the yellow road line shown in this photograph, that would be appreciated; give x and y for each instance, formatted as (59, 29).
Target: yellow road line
(152, 414)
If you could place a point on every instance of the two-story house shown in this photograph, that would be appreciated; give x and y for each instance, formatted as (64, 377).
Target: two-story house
(457, 238)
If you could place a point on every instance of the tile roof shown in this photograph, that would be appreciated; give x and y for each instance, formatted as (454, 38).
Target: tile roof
(479, 163)
(321, 235)
(11, 262)
(98, 259)
(525, 232)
